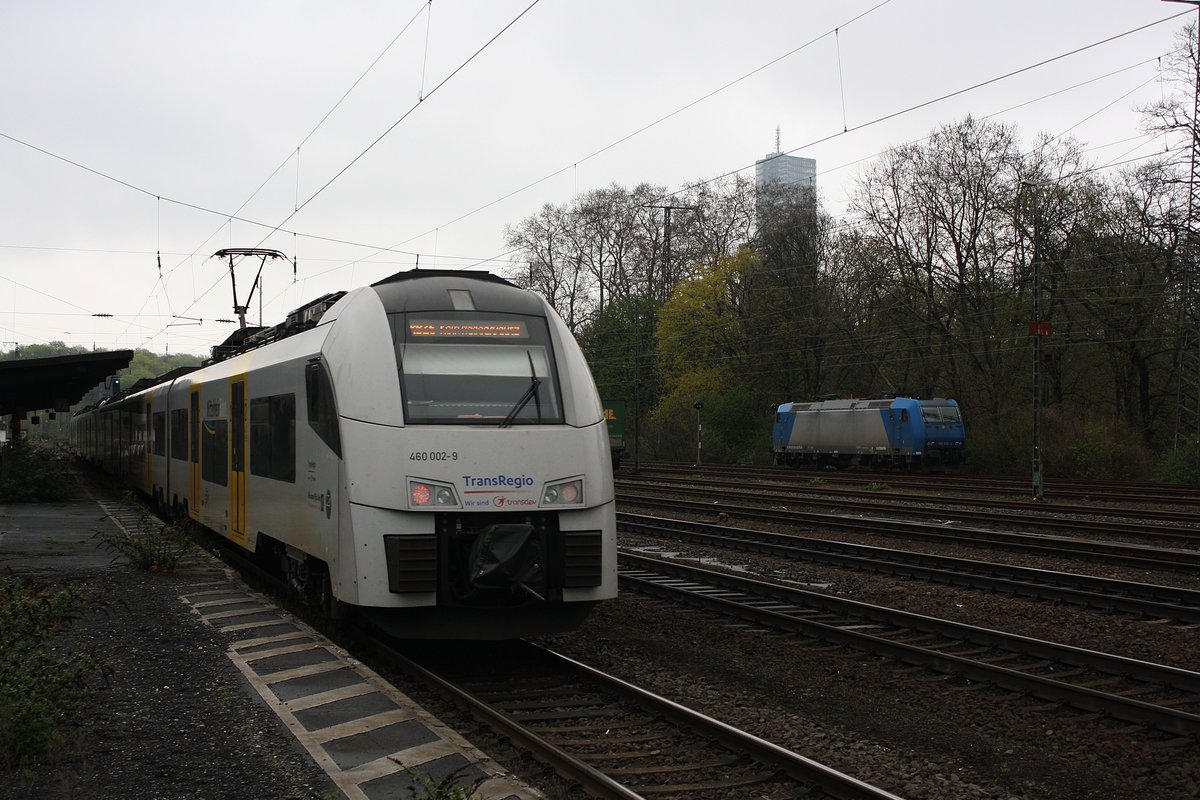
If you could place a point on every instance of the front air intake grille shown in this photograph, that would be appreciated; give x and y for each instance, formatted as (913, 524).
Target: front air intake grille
(411, 562)
(582, 557)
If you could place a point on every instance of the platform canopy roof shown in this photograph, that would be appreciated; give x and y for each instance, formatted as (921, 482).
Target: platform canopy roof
(56, 382)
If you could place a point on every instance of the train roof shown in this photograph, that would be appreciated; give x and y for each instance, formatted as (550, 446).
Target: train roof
(410, 274)
(832, 403)
(399, 292)
(454, 290)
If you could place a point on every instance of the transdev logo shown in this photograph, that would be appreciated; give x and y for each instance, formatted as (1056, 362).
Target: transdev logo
(484, 482)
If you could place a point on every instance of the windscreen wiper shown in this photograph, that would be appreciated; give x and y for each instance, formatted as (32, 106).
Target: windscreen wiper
(530, 394)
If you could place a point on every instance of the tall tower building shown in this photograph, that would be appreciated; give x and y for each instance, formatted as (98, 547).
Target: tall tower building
(778, 169)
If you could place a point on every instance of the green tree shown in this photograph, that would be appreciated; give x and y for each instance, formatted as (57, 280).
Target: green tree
(707, 354)
(151, 365)
(47, 350)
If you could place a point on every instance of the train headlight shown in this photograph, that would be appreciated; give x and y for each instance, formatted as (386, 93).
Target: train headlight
(567, 493)
(428, 494)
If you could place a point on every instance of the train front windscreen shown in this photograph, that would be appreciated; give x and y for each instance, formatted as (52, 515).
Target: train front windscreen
(945, 413)
(473, 368)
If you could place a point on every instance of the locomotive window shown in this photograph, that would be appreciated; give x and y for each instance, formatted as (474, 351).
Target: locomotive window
(940, 414)
(158, 421)
(273, 437)
(476, 368)
(322, 409)
(214, 451)
(179, 434)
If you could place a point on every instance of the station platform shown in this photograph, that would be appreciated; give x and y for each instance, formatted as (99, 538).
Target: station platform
(337, 721)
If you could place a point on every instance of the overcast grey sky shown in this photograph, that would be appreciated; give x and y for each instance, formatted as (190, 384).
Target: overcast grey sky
(133, 127)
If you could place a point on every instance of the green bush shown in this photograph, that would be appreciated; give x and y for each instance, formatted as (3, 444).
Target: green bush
(445, 789)
(732, 433)
(1181, 464)
(33, 473)
(41, 691)
(997, 447)
(1081, 447)
(152, 545)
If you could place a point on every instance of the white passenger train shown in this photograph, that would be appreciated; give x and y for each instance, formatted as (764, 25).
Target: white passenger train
(430, 449)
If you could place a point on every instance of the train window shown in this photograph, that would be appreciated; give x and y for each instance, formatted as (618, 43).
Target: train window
(471, 368)
(940, 414)
(322, 409)
(237, 415)
(273, 437)
(158, 421)
(179, 434)
(194, 405)
(214, 451)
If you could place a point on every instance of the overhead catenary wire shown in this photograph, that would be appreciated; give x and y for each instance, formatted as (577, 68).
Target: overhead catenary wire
(847, 130)
(297, 233)
(393, 126)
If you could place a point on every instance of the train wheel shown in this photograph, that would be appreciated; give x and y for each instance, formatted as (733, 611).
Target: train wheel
(320, 595)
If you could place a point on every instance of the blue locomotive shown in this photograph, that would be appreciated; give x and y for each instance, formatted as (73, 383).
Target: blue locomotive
(896, 432)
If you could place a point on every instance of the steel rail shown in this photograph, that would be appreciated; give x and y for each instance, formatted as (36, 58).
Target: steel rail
(1088, 591)
(1084, 490)
(836, 785)
(1112, 552)
(1025, 515)
(714, 590)
(594, 782)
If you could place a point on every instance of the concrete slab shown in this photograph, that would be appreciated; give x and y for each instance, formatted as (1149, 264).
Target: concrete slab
(56, 537)
(341, 711)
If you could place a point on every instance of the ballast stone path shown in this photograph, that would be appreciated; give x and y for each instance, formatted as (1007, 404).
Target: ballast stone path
(371, 739)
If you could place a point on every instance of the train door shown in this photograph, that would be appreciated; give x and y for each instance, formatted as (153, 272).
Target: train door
(194, 453)
(237, 460)
(904, 443)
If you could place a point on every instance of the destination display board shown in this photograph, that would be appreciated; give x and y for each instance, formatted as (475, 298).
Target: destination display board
(466, 329)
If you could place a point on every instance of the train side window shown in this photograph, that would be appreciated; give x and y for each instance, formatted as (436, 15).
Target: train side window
(179, 434)
(237, 431)
(322, 409)
(158, 421)
(194, 404)
(214, 446)
(273, 437)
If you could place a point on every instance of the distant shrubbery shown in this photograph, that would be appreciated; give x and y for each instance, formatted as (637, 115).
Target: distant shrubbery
(33, 473)
(1081, 447)
(1181, 465)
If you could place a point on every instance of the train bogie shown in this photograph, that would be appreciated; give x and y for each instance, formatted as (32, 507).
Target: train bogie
(433, 452)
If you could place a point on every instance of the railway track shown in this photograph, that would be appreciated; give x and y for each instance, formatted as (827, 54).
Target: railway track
(1082, 491)
(1151, 696)
(1143, 600)
(817, 492)
(1185, 530)
(612, 738)
(1109, 552)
